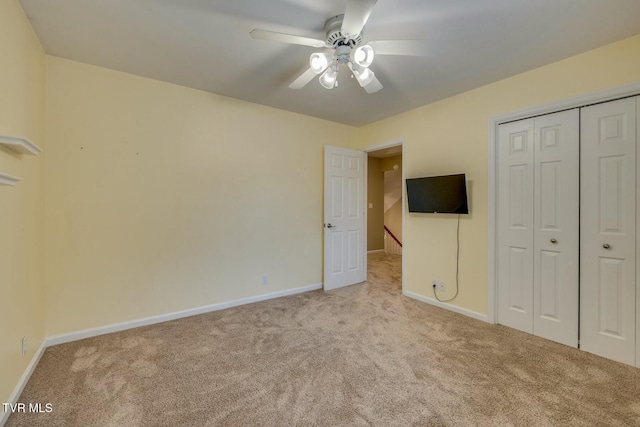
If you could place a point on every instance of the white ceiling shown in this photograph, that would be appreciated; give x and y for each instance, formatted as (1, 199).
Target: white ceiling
(205, 44)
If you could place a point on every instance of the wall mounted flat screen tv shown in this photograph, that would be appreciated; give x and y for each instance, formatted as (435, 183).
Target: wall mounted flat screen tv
(438, 194)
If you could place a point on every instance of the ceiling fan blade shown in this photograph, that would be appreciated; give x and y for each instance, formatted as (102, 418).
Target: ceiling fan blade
(286, 38)
(405, 47)
(356, 16)
(374, 86)
(303, 80)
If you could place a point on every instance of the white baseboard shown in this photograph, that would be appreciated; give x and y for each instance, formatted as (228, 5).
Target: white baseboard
(450, 307)
(117, 327)
(17, 391)
(376, 251)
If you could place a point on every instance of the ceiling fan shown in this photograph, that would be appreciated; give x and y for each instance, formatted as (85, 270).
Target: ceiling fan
(344, 46)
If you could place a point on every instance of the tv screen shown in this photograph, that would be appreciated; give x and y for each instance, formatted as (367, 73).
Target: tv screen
(438, 194)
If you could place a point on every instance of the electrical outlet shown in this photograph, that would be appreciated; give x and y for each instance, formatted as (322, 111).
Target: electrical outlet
(265, 279)
(438, 285)
(24, 346)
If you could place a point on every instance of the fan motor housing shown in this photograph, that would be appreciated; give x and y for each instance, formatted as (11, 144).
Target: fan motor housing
(335, 37)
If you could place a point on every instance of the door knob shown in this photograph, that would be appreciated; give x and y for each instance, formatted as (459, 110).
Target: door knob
(554, 241)
(606, 246)
(330, 226)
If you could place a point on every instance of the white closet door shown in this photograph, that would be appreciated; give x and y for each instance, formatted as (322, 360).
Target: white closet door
(515, 225)
(556, 227)
(608, 230)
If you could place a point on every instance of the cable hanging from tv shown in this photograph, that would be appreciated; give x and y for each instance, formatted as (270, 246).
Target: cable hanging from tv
(435, 293)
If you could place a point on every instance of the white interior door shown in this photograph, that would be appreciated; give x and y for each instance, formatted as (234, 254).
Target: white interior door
(556, 227)
(608, 230)
(344, 221)
(515, 225)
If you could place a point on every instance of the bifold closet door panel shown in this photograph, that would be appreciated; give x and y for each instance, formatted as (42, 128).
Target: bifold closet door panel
(556, 226)
(608, 230)
(515, 225)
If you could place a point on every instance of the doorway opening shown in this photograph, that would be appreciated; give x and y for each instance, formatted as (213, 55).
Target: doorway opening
(385, 212)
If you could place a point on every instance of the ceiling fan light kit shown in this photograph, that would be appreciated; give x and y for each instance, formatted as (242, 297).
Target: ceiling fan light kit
(363, 56)
(344, 42)
(319, 62)
(364, 75)
(329, 78)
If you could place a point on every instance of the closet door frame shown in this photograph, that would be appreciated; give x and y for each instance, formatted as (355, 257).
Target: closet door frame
(632, 89)
(637, 227)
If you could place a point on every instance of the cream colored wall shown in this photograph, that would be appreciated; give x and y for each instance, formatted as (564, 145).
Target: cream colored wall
(451, 136)
(162, 198)
(393, 215)
(387, 163)
(22, 77)
(375, 196)
(393, 219)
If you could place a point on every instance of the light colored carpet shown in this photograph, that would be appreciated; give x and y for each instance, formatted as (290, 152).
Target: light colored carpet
(362, 355)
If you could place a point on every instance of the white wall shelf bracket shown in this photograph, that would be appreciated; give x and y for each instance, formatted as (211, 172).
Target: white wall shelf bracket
(6, 179)
(19, 144)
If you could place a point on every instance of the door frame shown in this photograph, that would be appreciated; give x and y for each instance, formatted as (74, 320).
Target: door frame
(632, 89)
(376, 147)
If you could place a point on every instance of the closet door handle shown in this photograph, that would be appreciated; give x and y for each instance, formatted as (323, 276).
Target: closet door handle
(554, 241)
(606, 246)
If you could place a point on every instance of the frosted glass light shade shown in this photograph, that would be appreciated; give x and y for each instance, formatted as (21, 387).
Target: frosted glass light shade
(328, 78)
(319, 62)
(363, 56)
(363, 75)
